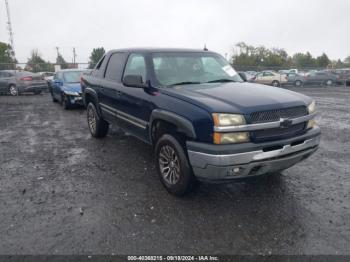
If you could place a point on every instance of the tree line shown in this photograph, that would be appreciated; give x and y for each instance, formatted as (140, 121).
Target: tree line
(245, 55)
(35, 62)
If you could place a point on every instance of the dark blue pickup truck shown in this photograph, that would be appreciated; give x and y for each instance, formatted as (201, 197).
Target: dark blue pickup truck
(202, 120)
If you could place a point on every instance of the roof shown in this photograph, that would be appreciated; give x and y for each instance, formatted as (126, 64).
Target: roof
(154, 50)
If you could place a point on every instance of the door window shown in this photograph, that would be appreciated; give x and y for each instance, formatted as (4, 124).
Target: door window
(136, 65)
(115, 66)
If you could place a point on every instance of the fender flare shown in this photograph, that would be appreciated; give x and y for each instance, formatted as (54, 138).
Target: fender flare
(182, 124)
(92, 92)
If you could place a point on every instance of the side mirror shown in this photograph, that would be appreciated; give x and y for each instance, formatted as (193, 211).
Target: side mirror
(243, 76)
(133, 81)
(58, 82)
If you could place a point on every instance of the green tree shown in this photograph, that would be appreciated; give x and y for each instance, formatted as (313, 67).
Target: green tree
(96, 55)
(302, 60)
(250, 56)
(7, 59)
(60, 61)
(347, 60)
(36, 63)
(323, 60)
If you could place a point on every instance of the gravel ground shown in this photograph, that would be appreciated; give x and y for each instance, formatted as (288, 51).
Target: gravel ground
(63, 192)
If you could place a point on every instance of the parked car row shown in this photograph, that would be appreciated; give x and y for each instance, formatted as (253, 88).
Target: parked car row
(299, 78)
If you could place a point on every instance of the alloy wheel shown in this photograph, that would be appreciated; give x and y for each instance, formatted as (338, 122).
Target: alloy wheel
(13, 91)
(169, 164)
(91, 119)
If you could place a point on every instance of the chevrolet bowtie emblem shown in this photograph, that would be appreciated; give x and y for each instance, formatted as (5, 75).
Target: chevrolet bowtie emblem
(285, 122)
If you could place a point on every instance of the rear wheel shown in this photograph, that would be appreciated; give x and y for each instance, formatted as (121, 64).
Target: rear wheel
(172, 164)
(13, 90)
(275, 83)
(98, 127)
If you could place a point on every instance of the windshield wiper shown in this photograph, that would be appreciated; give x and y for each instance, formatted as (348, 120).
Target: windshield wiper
(185, 83)
(223, 80)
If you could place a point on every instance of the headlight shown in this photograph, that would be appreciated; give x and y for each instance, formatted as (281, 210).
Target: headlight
(312, 107)
(231, 138)
(70, 93)
(228, 119)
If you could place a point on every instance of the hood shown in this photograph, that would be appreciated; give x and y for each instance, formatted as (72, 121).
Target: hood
(72, 87)
(243, 98)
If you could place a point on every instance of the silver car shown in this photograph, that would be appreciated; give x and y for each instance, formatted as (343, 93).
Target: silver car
(16, 82)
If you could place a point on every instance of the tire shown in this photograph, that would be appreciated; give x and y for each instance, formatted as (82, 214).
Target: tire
(37, 92)
(66, 102)
(13, 90)
(328, 82)
(98, 127)
(275, 83)
(170, 155)
(298, 83)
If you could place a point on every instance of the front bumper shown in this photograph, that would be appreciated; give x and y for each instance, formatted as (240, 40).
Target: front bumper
(216, 163)
(76, 100)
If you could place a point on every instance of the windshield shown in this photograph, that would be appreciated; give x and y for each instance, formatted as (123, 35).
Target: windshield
(172, 68)
(72, 76)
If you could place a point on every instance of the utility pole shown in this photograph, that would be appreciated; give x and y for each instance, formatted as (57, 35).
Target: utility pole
(9, 27)
(74, 56)
(58, 52)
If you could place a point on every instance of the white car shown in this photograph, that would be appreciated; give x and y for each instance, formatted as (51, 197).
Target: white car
(48, 76)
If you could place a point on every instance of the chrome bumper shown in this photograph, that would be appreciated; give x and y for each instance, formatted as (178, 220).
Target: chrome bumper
(252, 163)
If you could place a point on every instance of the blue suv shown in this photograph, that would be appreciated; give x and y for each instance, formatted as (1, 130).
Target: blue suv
(204, 122)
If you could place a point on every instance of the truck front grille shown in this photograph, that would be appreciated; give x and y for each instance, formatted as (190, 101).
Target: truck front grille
(277, 133)
(277, 114)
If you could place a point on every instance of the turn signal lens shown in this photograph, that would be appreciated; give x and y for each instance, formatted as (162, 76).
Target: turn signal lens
(231, 138)
(311, 124)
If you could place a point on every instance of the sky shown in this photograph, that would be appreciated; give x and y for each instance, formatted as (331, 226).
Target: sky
(295, 25)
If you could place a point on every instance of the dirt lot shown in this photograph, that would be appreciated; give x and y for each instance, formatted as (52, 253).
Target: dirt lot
(63, 192)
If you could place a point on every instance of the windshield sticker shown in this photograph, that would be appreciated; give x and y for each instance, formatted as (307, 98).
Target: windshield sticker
(229, 70)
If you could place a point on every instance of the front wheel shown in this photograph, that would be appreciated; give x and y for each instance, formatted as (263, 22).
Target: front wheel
(298, 83)
(275, 83)
(98, 127)
(173, 166)
(329, 82)
(66, 102)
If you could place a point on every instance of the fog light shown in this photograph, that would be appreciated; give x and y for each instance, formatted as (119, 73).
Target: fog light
(311, 124)
(231, 138)
(236, 169)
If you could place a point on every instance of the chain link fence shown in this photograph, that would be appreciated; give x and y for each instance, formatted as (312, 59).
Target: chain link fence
(42, 67)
